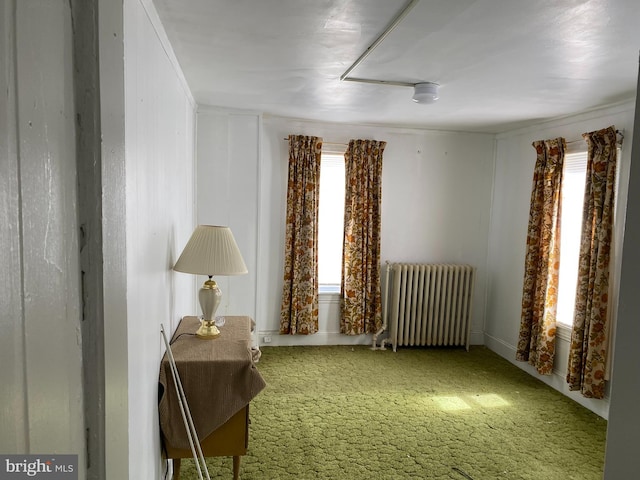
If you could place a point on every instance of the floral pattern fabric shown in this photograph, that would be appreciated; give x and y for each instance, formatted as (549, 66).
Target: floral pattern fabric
(536, 343)
(299, 311)
(588, 351)
(360, 290)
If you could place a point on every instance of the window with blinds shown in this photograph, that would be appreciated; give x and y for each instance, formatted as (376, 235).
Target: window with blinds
(573, 180)
(330, 222)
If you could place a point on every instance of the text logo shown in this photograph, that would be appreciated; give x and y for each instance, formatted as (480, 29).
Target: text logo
(49, 467)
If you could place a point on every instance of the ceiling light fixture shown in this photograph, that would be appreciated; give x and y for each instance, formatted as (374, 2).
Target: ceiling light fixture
(426, 92)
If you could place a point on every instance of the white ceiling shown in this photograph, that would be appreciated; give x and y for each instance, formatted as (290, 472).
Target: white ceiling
(501, 64)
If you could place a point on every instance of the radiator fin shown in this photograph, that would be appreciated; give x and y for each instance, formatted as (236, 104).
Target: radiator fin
(430, 304)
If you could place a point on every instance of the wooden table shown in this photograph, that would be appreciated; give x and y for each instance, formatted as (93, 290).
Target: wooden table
(219, 378)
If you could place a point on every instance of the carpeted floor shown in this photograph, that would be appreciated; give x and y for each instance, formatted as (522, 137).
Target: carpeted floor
(357, 414)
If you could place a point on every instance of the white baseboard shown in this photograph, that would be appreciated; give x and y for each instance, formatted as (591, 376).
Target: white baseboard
(317, 339)
(556, 380)
(476, 338)
(330, 338)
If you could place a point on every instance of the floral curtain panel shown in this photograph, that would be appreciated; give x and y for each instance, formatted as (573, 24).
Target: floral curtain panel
(536, 343)
(299, 311)
(360, 287)
(588, 353)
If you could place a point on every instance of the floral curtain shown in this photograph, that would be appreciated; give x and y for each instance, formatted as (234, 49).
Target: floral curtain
(588, 351)
(360, 287)
(536, 343)
(299, 311)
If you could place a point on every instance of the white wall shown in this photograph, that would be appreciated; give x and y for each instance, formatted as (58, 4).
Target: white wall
(41, 378)
(436, 194)
(623, 429)
(148, 123)
(228, 153)
(515, 159)
(160, 160)
(436, 200)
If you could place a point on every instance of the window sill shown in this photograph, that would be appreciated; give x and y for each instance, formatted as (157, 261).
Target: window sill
(329, 289)
(328, 294)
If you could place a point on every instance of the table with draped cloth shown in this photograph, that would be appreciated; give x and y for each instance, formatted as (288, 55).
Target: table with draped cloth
(219, 378)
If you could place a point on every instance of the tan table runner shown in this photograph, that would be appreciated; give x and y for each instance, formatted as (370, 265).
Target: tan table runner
(219, 378)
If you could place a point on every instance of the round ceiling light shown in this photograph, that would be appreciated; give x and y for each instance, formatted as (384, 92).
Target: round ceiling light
(426, 92)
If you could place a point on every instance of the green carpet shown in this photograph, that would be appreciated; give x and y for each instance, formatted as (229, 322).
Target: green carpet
(353, 413)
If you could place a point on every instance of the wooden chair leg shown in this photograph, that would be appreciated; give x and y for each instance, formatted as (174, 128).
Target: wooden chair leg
(176, 469)
(236, 467)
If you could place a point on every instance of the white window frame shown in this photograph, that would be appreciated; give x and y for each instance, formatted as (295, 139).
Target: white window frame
(575, 164)
(331, 159)
(563, 328)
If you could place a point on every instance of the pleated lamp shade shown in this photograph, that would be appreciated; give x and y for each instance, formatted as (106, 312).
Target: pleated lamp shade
(211, 250)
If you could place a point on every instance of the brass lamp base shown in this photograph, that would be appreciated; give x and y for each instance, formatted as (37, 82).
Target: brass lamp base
(208, 330)
(209, 296)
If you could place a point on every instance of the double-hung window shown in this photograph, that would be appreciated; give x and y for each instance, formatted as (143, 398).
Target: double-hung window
(331, 222)
(573, 180)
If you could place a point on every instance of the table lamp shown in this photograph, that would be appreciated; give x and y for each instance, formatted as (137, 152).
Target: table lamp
(210, 251)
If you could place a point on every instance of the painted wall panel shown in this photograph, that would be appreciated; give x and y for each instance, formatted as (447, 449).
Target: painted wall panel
(42, 314)
(227, 194)
(160, 169)
(243, 195)
(13, 415)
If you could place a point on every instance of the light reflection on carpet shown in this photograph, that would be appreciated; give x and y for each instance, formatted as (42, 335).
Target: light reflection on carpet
(451, 403)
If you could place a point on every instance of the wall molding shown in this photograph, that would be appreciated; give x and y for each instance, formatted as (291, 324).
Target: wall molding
(317, 339)
(555, 381)
(559, 122)
(330, 339)
(204, 108)
(301, 123)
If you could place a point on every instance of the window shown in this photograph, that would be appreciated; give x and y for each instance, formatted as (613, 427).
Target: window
(330, 222)
(573, 180)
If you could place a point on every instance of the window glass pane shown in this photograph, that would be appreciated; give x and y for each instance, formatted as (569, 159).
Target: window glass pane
(330, 219)
(573, 179)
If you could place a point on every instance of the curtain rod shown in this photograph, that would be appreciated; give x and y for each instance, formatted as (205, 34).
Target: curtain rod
(619, 133)
(328, 143)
